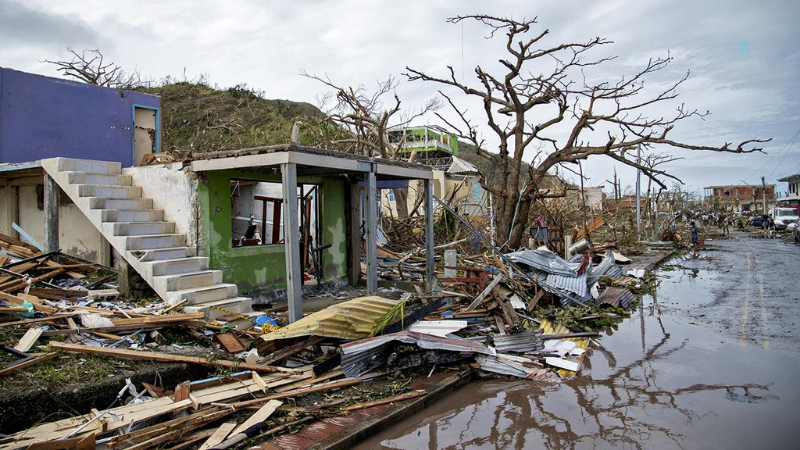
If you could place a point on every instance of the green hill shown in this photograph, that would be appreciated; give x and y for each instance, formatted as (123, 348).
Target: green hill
(199, 118)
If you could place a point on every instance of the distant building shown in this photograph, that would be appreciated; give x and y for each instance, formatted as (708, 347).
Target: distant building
(792, 197)
(433, 145)
(742, 197)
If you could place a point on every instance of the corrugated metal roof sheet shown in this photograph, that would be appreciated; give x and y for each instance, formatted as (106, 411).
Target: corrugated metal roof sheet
(458, 165)
(577, 285)
(438, 327)
(515, 366)
(545, 261)
(601, 269)
(353, 319)
(366, 354)
(524, 341)
(616, 297)
(582, 343)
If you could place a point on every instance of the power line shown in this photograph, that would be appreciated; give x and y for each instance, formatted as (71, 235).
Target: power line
(786, 147)
(785, 153)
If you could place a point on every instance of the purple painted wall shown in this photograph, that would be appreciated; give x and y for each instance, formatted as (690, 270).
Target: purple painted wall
(43, 117)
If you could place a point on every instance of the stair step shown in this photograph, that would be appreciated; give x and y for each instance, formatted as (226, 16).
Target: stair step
(187, 280)
(238, 305)
(132, 215)
(126, 204)
(143, 228)
(109, 191)
(164, 253)
(179, 266)
(98, 179)
(89, 166)
(153, 242)
(204, 294)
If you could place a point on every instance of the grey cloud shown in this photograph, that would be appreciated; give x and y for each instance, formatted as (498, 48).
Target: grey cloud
(24, 24)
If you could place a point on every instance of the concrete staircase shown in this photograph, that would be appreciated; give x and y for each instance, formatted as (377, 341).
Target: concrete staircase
(140, 234)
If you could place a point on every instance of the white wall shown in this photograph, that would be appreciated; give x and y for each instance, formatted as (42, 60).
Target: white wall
(76, 234)
(172, 189)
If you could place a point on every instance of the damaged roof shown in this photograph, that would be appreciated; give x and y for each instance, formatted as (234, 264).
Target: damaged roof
(310, 161)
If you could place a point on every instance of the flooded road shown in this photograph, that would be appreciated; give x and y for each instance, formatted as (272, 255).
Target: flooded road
(711, 361)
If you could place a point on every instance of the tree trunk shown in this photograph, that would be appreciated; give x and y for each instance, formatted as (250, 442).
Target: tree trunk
(401, 202)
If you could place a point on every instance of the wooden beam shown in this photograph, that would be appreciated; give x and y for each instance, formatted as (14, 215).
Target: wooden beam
(38, 359)
(387, 400)
(299, 392)
(165, 357)
(497, 279)
(219, 435)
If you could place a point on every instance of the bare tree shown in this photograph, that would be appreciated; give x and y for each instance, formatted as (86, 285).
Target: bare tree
(541, 83)
(368, 121)
(91, 67)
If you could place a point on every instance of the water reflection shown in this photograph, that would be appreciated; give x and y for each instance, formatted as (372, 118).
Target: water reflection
(632, 399)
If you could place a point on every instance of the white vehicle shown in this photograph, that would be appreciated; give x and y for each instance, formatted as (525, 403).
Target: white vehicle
(784, 217)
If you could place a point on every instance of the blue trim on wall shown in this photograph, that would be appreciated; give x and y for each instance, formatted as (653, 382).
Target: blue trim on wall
(133, 129)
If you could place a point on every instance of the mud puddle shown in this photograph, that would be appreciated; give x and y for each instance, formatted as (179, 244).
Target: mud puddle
(658, 382)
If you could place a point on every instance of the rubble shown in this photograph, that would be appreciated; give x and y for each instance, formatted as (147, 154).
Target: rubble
(527, 314)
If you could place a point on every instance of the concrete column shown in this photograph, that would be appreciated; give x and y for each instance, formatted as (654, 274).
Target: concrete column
(291, 242)
(429, 261)
(354, 266)
(371, 235)
(50, 214)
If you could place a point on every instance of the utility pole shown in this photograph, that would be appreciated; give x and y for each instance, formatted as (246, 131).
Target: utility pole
(638, 203)
(764, 195)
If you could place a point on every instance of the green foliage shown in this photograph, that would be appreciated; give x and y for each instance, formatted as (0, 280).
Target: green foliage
(569, 316)
(200, 118)
(68, 369)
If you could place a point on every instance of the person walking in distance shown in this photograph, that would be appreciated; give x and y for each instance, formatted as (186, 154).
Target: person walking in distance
(694, 234)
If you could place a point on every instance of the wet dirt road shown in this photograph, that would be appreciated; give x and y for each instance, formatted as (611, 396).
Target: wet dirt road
(712, 361)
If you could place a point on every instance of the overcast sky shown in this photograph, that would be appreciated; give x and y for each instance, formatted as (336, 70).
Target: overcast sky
(743, 56)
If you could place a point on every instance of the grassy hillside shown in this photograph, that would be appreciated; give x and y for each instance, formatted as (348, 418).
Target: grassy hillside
(198, 118)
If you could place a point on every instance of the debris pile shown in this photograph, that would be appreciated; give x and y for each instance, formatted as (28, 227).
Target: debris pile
(528, 314)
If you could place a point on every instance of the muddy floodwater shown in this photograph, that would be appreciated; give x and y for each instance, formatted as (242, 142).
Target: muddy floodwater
(711, 361)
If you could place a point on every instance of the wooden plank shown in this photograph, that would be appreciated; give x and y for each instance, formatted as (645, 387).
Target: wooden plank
(231, 343)
(227, 395)
(302, 383)
(20, 298)
(11, 310)
(259, 382)
(387, 400)
(185, 427)
(293, 349)
(182, 391)
(260, 416)
(196, 419)
(29, 339)
(148, 320)
(535, 300)
(497, 279)
(42, 358)
(219, 435)
(165, 357)
(299, 392)
(43, 319)
(87, 443)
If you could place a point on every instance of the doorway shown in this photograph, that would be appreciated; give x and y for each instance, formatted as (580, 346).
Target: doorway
(145, 132)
